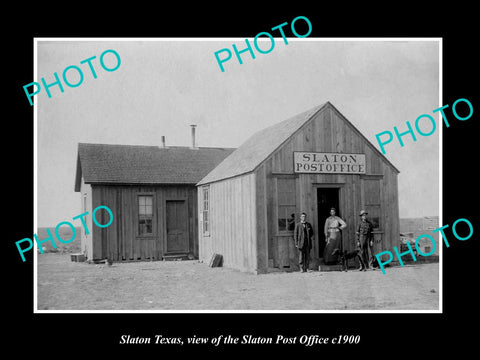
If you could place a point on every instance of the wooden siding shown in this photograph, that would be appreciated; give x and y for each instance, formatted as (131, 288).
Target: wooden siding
(243, 210)
(121, 241)
(232, 223)
(86, 243)
(261, 197)
(326, 132)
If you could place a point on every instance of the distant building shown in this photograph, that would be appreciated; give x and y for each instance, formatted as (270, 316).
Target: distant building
(414, 227)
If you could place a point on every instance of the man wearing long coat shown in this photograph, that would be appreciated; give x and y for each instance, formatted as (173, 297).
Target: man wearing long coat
(303, 237)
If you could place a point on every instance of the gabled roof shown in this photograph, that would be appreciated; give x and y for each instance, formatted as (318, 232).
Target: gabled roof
(258, 147)
(262, 144)
(131, 164)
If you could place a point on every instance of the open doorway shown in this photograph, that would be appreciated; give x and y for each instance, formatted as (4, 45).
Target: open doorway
(326, 199)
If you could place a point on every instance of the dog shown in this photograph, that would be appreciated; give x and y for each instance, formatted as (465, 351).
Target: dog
(345, 255)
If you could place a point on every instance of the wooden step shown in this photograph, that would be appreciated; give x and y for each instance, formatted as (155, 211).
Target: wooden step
(175, 257)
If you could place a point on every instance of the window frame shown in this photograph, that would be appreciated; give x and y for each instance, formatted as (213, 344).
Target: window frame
(278, 206)
(137, 212)
(205, 211)
(373, 206)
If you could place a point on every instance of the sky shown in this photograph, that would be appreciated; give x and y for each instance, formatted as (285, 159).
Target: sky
(163, 86)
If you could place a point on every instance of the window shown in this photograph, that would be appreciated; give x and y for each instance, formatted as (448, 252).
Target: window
(372, 201)
(374, 215)
(145, 214)
(286, 204)
(205, 208)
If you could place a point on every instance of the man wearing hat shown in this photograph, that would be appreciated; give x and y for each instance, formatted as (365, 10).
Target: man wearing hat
(365, 239)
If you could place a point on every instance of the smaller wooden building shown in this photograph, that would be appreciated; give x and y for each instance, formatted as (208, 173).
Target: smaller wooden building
(308, 163)
(151, 192)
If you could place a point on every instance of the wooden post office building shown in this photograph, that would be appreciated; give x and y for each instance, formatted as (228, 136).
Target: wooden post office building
(151, 192)
(308, 163)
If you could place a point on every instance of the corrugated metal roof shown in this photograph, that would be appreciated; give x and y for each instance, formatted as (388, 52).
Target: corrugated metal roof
(258, 147)
(132, 164)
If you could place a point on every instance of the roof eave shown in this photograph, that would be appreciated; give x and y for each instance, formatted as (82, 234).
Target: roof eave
(78, 175)
(208, 182)
(132, 183)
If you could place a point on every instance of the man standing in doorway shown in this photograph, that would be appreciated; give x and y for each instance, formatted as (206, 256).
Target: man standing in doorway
(303, 237)
(365, 239)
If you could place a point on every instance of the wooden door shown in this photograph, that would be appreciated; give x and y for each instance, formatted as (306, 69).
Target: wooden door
(177, 227)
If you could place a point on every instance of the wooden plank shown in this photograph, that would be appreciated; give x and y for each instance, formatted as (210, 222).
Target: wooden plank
(161, 232)
(235, 199)
(345, 205)
(327, 132)
(232, 250)
(134, 254)
(283, 252)
(112, 229)
(351, 211)
(236, 188)
(226, 229)
(195, 222)
(271, 211)
(130, 224)
(118, 223)
(253, 221)
(122, 223)
(307, 136)
(288, 158)
(95, 230)
(216, 209)
(386, 200)
(216, 260)
(262, 241)
(204, 242)
(315, 133)
(395, 210)
(219, 216)
(244, 221)
(293, 254)
(201, 241)
(335, 135)
(247, 230)
(345, 140)
(241, 221)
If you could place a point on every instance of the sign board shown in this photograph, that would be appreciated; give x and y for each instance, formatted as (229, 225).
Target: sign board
(328, 163)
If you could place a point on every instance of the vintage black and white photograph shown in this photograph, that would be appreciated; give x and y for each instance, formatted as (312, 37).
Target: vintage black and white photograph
(235, 175)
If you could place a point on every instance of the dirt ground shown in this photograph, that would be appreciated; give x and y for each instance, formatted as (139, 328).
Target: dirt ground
(191, 285)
